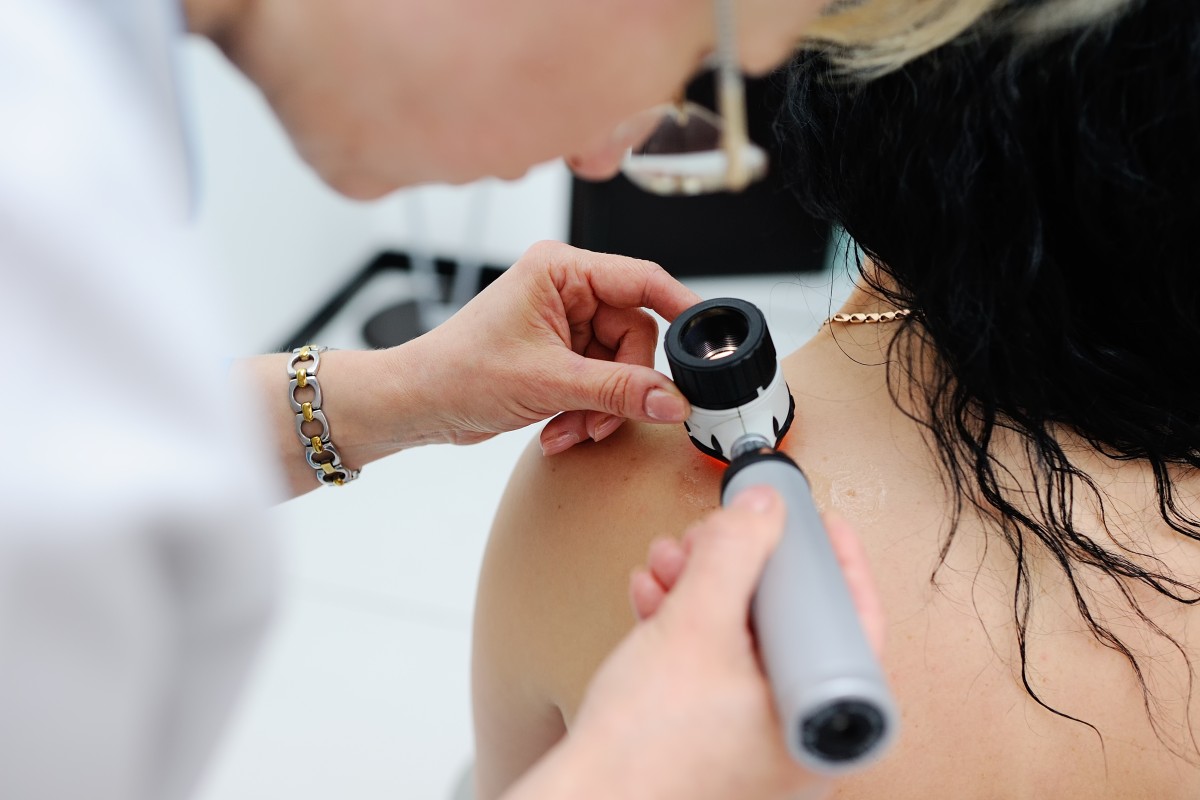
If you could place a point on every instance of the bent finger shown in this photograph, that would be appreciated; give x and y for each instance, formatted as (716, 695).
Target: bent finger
(630, 333)
(617, 280)
(729, 551)
(666, 562)
(628, 391)
(600, 425)
(646, 595)
(563, 432)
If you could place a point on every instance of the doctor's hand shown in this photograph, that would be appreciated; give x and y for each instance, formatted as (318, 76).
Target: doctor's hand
(563, 330)
(681, 708)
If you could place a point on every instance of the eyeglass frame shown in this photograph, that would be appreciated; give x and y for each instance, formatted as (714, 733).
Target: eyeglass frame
(731, 97)
(730, 112)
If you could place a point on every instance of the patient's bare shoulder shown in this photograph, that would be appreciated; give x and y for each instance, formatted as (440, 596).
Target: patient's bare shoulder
(570, 528)
(640, 473)
(552, 597)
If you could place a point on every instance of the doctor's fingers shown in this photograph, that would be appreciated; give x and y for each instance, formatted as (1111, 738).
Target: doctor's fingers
(649, 585)
(583, 278)
(608, 378)
(726, 555)
(625, 336)
(668, 560)
(646, 594)
(602, 394)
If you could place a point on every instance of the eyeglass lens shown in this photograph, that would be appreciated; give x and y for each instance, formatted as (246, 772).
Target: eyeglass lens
(686, 154)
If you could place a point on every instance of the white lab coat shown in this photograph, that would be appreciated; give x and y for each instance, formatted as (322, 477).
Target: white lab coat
(135, 574)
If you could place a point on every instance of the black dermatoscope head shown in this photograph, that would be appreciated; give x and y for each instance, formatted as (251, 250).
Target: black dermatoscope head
(724, 362)
(721, 353)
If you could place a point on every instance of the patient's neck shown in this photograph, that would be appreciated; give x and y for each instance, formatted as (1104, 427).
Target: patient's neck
(872, 336)
(894, 353)
(866, 299)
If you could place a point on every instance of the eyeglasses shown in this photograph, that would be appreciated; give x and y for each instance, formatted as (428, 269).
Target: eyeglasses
(694, 151)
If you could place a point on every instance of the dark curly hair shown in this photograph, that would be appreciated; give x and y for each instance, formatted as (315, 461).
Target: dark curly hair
(1038, 205)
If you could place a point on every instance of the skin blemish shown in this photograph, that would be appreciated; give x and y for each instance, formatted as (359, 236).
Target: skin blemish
(858, 493)
(692, 493)
(697, 487)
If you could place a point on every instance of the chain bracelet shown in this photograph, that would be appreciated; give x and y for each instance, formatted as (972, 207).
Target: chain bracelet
(319, 451)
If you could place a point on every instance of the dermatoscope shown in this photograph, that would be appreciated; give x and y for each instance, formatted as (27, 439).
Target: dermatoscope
(833, 701)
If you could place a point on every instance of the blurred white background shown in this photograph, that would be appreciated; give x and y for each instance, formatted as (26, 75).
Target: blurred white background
(362, 689)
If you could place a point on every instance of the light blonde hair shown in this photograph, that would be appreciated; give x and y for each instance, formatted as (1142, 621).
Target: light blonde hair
(873, 37)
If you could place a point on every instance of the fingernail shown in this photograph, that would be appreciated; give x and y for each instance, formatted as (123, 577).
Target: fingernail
(758, 499)
(605, 428)
(559, 443)
(666, 406)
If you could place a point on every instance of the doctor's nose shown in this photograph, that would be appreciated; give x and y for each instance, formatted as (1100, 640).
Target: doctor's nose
(603, 158)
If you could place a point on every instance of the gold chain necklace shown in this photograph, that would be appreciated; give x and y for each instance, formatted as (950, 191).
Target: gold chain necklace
(869, 319)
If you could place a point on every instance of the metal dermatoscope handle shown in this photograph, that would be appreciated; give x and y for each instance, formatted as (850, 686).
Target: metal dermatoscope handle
(832, 699)
(830, 692)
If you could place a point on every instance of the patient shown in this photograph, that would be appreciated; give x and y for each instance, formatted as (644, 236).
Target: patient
(1020, 456)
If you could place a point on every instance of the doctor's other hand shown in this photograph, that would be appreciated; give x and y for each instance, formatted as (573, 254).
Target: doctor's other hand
(681, 709)
(562, 330)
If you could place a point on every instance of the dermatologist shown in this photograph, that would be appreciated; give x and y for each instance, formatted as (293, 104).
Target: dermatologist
(135, 575)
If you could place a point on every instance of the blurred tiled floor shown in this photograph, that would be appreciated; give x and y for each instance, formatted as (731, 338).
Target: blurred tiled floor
(362, 688)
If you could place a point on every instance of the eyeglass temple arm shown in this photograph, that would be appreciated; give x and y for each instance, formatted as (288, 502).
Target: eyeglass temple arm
(731, 96)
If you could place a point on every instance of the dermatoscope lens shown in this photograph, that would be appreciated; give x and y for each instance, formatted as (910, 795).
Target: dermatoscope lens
(843, 731)
(715, 334)
(721, 354)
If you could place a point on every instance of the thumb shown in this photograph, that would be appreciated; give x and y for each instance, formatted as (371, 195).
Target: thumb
(729, 551)
(852, 557)
(624, 390)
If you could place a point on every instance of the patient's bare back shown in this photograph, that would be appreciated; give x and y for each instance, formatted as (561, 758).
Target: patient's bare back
(572, 527)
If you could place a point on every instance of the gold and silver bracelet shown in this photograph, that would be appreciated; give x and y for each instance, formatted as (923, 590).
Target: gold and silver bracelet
(319, 451)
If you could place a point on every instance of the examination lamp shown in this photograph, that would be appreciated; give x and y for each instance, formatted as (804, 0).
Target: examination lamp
(830, 692)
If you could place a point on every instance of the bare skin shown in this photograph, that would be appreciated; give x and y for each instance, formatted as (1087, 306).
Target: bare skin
(707, 727)
(377, 94)
(564, 329)
(552, 601)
